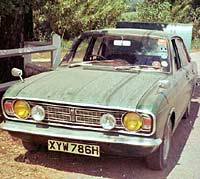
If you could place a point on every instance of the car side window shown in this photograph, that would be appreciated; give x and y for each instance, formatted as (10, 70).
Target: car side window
(176, 55)
(184, 57)
(82, 49)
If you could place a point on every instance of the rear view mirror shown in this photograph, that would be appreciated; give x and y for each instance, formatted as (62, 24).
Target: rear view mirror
(126, 43)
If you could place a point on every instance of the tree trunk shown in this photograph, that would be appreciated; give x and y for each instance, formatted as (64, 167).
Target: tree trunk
(14, 28)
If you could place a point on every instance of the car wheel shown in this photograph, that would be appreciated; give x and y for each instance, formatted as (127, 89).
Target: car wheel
(187, 112)
(30, 146)
(158, 159)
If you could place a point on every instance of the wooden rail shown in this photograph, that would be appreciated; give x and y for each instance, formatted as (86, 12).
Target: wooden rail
(4, 86)
(37, 47)
(34, 47)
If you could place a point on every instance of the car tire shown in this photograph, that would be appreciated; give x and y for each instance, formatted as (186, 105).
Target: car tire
(187, 112)
(30, 146)
(158, 159)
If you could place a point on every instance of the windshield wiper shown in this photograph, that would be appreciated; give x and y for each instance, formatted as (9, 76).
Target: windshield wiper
(88, 63)
(126, 68)
(135, 67)
(147, 66)
(85, 64)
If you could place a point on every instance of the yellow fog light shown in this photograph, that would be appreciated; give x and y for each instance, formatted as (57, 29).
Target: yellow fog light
(21, 109)
(132, 121)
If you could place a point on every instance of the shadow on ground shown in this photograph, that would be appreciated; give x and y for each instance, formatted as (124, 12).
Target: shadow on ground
(116, 167)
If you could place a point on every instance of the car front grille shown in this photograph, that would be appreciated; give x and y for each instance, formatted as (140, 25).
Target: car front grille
(74, 115)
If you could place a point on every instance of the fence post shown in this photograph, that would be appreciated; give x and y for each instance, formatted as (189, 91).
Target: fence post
(27, 57)
(56, 54)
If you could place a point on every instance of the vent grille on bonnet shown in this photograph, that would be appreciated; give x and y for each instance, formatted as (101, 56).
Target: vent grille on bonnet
(73, 115)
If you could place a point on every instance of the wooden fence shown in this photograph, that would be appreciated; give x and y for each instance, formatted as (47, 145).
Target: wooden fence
(34, 47)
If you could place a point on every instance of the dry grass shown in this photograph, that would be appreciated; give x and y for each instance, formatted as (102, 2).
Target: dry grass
(45, 55)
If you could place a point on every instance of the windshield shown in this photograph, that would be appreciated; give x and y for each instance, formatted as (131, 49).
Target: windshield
(119, 51)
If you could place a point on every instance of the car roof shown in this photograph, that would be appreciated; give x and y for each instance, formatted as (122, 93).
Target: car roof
(129, 31)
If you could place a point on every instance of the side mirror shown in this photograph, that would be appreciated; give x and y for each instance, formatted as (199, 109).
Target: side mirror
(17, 73)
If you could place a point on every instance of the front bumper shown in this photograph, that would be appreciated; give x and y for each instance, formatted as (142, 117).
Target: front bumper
(77, 134)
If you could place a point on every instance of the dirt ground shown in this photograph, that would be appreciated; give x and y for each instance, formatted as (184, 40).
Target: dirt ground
(17, 163)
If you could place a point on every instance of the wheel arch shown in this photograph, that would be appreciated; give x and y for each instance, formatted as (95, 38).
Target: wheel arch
(172, 118)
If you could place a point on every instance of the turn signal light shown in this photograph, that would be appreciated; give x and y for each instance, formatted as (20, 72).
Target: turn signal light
(147, 123)
(8, 108)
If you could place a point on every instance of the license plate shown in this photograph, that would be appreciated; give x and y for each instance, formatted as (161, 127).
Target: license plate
(75, 148)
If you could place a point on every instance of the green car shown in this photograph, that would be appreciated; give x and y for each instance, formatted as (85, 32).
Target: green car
(120, 91)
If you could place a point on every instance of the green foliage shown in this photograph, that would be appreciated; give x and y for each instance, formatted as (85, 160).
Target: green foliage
(132, 4)
(11, 7)
(180, 11)
(196, 43)
(66, 44)
(196, 23)
(154, 11)
(129, 16)
(71, 17)
(187, 11)
(8, 6)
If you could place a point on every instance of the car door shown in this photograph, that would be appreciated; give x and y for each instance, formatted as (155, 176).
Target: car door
(183, 76)
(187, 65)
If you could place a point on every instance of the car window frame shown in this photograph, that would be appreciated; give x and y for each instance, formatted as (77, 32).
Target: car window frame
(178, 61)
(69, 57)
(176, 57)
(184, 61)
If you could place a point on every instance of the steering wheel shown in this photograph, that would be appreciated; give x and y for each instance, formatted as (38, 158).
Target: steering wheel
(98, 57)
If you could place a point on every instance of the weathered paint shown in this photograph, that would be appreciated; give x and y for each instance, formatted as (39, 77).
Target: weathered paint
(136, 89)
(173, 29)
(127, 31)
(95, 87)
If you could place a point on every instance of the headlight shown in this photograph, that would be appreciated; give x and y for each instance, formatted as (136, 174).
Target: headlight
(132, 121)
(21, 109)
(108, 121)
(38, 113)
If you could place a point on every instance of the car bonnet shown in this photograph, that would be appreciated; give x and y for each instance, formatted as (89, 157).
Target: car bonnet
(72, 85)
